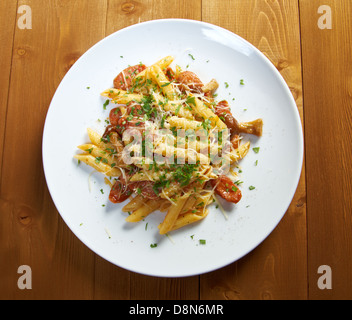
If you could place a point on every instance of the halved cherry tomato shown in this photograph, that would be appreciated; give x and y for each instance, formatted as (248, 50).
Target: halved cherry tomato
(226, 189)
(114, 116)
(189, 81)
(144, 188)
(223, 111)
(119, 191)
(124, 79)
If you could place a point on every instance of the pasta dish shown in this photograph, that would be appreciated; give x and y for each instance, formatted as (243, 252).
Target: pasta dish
(169, 145)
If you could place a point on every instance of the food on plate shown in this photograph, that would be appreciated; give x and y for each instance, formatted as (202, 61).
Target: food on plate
(169, 144)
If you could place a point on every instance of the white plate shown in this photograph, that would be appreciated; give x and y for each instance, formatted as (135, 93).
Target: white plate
(217, 54)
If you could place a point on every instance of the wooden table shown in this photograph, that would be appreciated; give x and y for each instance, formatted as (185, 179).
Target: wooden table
(316, 61)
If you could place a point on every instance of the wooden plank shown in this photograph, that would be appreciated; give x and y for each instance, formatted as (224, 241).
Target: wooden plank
(125, 13)
(326, 57)
(8, 14)
(122, 14)
(277, 269)
(35, 235)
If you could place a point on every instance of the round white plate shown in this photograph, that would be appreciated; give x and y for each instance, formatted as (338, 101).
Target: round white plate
(211, 52)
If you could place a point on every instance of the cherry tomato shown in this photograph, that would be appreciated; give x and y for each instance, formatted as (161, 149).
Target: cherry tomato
(189, 80)
(223, 111)
(124, 79)
(226, 189)
(119, 191)
(145, 189)
(114, 116)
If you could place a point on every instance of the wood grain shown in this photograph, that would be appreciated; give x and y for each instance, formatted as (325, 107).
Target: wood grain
(327, 79)
(8, 12)
(278, 267)
(34, 234)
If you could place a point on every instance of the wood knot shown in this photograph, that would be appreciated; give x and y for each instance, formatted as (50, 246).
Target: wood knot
(266, 295)
(232, 295)
(25, 215)
(128, 7)
(295, 93)
(70, 60)
(282, 64)
(301, 202)
(21, 51)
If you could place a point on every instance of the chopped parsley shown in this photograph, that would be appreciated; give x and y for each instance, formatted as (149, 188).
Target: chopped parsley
(191, 100)
(206, 124)
(191, 56)
(153, 245)
(256, 149)
(202, 241)
(177, 109)
(251, 188)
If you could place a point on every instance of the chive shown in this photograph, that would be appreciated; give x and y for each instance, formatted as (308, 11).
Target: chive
(256, 150)
(191, 100)
(153, 245)
(191, 56)
(251, 188)
(163, 121)
(106, 103)
(177, 109)
(226, 85)
(242, 82)
(234, 188)
(202, 241)
(165, 84)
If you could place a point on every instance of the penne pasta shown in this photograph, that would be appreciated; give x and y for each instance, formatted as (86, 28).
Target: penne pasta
(162, 64)
(188, 218)
(172, 215)
(181, 143)
(98, 165)
(143, 211)
(119, 96)
(204, 112)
